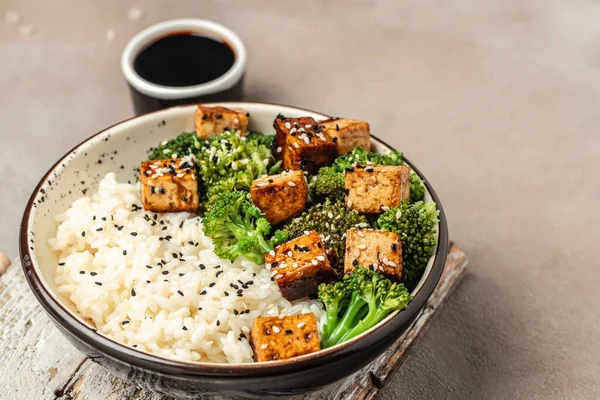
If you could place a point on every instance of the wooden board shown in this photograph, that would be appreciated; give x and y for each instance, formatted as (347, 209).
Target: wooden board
(38, 363)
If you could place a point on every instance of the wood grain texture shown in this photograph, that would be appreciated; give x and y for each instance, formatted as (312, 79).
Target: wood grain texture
(38, 363)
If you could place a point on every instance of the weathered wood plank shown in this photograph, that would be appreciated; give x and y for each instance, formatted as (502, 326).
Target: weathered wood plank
(36, 359)
(47, 365)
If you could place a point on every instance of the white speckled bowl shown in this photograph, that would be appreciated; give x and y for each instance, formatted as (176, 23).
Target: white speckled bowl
(120, 149)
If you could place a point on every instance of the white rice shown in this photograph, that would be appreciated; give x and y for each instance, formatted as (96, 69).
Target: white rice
(146, 308)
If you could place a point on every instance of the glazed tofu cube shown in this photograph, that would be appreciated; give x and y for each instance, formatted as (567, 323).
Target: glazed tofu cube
(371, 189)
(212, 121)
(280, 197)
(377, 250)
(302, 145)
(169, 185)
(348, 134)
(299, 265)
(280, 338)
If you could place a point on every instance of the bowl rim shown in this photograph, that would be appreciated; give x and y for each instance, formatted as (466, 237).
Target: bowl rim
(113, 349)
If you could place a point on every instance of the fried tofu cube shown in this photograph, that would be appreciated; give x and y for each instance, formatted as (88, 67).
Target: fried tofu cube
(169, 185)
(348, 134)
(377, 250)
(280, 197)
(280, 338)
(212, 121)
(302, 145)
(371, 189)
(299, 265)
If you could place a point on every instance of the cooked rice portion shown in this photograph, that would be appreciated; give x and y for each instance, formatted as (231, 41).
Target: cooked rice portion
(152, 281)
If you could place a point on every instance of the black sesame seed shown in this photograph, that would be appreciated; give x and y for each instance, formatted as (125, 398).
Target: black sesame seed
(226, 293)
(124, 252)
(134, 345)
(247, 311)
(98, 283)
(149, 266)
(82, 234)
(235, 312)
(202, 266)
(219, 116)
(93, 273)
(121, 227)
(355, 262)
(165, 272)
(218, 273)
(347, 191)
(217, 266)
(181, 274)
(181, 224)
(218, 323)
(124, 322)
(61, 263)
(203, 292)
(394, 246)
(184, 328)
(82, 272)
(133, 292)
(93, 218)
(191, 243)
(289, 331)
(180, 292)
(212, 284)
(175, 255)
(133, 233)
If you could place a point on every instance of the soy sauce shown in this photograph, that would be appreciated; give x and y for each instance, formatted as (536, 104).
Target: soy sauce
(184, 59)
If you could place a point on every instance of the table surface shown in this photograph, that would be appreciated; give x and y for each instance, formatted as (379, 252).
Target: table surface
(498, 104)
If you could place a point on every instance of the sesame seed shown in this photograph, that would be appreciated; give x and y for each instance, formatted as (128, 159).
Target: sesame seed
(320, 258)
(314, 262)
(124, 252)
(362, 246)
(292, 184)
(98, 283)
(272, 253)
(393, 264)
(99, 230)
(165, 272)
(212, 284)
(93, 273)
(301, 324)
(398, 214)
(360, 233)
(180, 293)
(133, 292)
(264, 346)
(218, 323)
(355, 262)
(349, 203)
(124, 322)
(289, 331)
(279, 149)
(276, 329)
(278, 276)
(288, 125)
(184, 328)
(133, 233)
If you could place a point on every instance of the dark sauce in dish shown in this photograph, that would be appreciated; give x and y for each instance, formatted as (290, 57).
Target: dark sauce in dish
(184, 59)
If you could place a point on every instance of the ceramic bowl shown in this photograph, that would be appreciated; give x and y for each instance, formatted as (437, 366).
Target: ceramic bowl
(120, 149)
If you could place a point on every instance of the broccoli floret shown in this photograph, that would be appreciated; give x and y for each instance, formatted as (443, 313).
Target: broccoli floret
(237, 227)
(260, 138)
(357, 303)
(183, 145)
(328, 184)
(231, 162)
(329, 181)
(417, 188)
(416, 225)
(331, 220)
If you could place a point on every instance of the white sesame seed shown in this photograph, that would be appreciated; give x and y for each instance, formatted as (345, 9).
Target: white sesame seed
(393, 264)
(306, 232)
(398, 214)
(134, 14)
(266, 161)
(293, 130)
(236, 121)
(245, 329)
(288, 125)
(262, 184)
(295, 265)
(292, 184)
(272, 253)
(330, 215)
(300, 129)
(373, 179)
(308, 126)
(349, 203)
(278, 276)
(296, 145)
(361, 234)
(12, 17)
(264, 346)
(166, 151)
(320, 258)
(361, 246)
(234, 165)
(244, 161)
(276, 329)
(179, 175)
(314, 262)
(384, 208)
(268, 266)
(279, 149)
(301, 324)
(289, 253)
(110, 35)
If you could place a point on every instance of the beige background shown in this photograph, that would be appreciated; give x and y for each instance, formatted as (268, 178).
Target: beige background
(497, 102)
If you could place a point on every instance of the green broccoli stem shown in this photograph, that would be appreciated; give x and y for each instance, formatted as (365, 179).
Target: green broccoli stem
(347, 321)
(264, 245)
(371, 319)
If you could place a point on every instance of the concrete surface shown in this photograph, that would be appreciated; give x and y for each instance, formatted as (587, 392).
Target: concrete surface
(497, 102)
